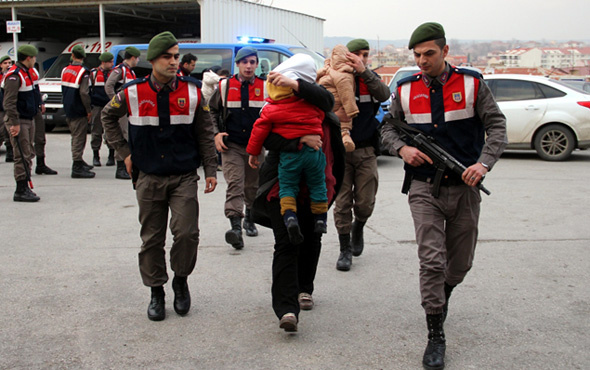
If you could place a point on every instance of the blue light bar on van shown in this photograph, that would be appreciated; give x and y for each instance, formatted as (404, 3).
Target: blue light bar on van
(254, 40)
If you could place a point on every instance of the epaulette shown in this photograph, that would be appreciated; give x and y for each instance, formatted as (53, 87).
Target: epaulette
(191, 79)
(136, 81)
(467, 71)
(411, 78)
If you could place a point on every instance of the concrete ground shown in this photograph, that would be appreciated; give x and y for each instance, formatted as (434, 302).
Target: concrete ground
(72, 297)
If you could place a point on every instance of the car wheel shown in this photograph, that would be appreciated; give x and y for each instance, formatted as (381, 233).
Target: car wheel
(49, 127)
(554, 143)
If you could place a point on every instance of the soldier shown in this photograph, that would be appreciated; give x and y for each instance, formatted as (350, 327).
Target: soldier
(20, 106)
(75, 84)
(187, 64)
(98, 99)
(456, 107)
(5, 63)
(40, 140)
(166, 157)
(235, 106)
(122, 74)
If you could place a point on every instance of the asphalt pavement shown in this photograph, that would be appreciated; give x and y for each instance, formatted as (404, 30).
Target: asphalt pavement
(72, 297)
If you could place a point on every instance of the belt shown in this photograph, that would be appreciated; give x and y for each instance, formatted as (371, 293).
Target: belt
(446, 180)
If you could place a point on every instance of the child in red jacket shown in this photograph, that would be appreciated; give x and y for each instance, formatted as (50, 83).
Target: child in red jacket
(292, 117)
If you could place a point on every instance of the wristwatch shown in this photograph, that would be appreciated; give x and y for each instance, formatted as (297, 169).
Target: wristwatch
(485, 166)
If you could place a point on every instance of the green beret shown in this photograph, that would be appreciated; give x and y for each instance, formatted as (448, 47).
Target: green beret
(426, 32)
(246, 51)
(28, 50)
(133, 51)
(106, 57)
(6, 57)
(160, 43)
(357, 44)
(79, 52)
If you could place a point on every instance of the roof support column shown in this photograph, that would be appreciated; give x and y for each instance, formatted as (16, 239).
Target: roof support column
(14, 35)
(101, 23)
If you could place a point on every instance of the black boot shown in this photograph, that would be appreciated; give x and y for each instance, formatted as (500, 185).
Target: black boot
(357, 240)
(448, 291)
(249, 226)
(42, 168)
(9, 152)
(23, 193)
(234, 235)
(157, 309)
(182, 296)
(79, 171)
(292, 224)
(345, 258)
(111, 158)
(121, 172)
(86, 165)
(96, 159)
(434, 355)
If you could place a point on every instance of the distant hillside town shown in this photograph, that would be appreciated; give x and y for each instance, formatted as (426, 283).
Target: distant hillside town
(569, 59)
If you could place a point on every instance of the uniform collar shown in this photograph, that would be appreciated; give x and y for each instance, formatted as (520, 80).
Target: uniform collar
(76, 63)
(21, 66)
(242, 79)
(172, 84)
(441, 78)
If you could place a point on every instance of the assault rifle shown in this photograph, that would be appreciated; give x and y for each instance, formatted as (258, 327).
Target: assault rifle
(440, 158)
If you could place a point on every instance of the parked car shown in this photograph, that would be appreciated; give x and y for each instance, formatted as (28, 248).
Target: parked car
(542, 114)
(403, 72)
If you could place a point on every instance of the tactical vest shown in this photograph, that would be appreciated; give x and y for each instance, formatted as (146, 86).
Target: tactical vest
(447, 114)
(161, 126)
(244, 102)
(35, 77)
(2, 91)
(98, 95)
(127, 75)
(364, 124)
(26, 101)
(71, 76)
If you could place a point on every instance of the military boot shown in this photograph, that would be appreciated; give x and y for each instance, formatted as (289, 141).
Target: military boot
(448, 291)
(357, 240)
(434, 355)
(234, 235)
(96, 159)
(23, 193)
(79, 171)
(9, 152)
(157, 308)
(345, 258)
(111, 158)
(42, 168)
(249, 226)
(121, 172)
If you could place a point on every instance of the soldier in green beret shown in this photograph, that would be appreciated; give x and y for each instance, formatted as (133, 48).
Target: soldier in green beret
(122, 74)
(20, 109)
(235, 106)
(5, 63)
(456, 108)
(165, 158)
(75, 86)
(98, 99)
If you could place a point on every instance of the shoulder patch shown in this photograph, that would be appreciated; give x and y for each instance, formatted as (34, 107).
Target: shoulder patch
(114, 103)
(467, 71)
(411, 78)
(191, 80)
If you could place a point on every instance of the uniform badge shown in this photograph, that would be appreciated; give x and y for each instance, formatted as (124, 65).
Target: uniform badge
(257, 91)
(114, 102)
(181, 102)
(457, 97)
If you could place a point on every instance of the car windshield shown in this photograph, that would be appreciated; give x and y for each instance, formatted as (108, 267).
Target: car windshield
(318, 59)
(91, 61)
(398, 76)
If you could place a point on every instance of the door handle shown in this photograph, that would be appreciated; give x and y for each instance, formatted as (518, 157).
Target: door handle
(532, 107)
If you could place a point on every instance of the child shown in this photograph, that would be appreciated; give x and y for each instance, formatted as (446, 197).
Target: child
(211, 79)
(291, 117)
(338, 77)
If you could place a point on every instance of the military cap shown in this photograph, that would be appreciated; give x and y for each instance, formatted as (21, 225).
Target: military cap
(160, 43)
(28, 50)
(133, 51)
(6, 57)
(79, 52)
(357, 44)
(426, 32)
(246, 52)
(106, 57)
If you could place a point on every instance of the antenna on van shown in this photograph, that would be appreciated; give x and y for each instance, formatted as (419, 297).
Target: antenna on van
(291, 33)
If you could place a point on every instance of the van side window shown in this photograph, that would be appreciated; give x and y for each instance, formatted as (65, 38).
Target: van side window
(267, 61)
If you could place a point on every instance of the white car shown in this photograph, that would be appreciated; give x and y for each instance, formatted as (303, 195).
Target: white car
(542, 114)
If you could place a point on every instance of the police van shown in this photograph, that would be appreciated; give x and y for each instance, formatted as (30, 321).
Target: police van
(270, 55)
(50, 84)
(48, 51)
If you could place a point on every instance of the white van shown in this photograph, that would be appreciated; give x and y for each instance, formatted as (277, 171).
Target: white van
(48, 52)
(50, 84)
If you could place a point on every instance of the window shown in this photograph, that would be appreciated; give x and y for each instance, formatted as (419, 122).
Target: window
(267, 61)
(550, 92)
(509, 90)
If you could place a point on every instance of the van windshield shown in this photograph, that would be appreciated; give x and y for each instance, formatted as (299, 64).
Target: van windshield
(62, 61)
(318, 59)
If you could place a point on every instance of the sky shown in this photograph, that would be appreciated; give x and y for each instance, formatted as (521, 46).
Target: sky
(463, 20)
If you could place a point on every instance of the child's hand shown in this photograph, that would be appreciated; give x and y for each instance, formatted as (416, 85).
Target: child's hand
(312, 141)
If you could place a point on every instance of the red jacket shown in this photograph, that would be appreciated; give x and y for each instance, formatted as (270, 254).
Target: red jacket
(291, 118)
